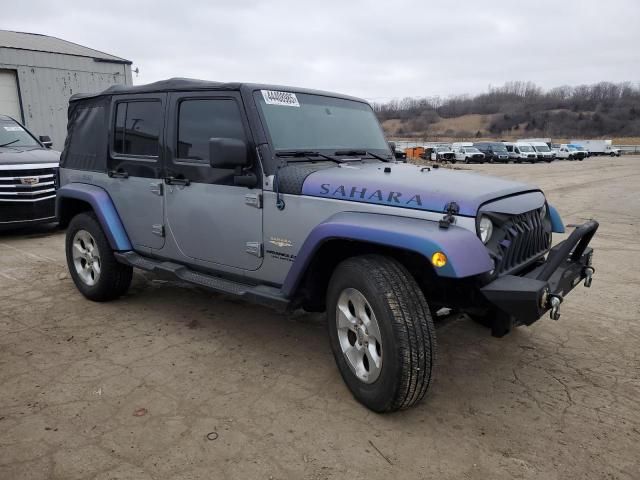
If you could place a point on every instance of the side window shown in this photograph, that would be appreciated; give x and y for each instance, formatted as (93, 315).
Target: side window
(137, 128)
(202, 119)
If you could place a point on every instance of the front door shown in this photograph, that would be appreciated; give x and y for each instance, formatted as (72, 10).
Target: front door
(212, 221)
(135, 167)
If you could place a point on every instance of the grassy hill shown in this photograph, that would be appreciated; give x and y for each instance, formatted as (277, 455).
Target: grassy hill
(519, 110)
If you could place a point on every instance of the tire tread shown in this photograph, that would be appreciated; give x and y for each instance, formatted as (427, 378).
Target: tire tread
(412, 324)
(115, 278)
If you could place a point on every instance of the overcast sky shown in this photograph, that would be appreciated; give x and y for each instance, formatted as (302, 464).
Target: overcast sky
(373, 49)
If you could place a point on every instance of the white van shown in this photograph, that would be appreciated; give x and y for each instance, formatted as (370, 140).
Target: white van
(525, 151)
(543, 151)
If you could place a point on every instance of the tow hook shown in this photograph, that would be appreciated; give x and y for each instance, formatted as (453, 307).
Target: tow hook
(555, 301)
(588, 276)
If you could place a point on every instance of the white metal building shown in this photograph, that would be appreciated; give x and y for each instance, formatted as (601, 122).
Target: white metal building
(39, 73)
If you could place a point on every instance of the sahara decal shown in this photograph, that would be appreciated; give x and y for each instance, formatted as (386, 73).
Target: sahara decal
(370, 195)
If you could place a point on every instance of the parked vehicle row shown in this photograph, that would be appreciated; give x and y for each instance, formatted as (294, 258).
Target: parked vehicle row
(481, 152)
(524, 150)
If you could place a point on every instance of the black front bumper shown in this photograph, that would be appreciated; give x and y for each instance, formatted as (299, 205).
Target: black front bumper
(21, 214)
(523, 299)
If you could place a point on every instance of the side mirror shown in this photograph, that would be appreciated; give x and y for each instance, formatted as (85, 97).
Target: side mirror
(392, 146)
(227, 153)
(46, 141)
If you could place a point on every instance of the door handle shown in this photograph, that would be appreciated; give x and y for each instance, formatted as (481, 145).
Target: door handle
(119, 173)
(177, 181)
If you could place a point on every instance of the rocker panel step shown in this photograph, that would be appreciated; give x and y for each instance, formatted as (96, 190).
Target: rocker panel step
(257, 293)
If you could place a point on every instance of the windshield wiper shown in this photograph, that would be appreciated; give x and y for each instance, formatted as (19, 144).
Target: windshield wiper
(9, 143)
(349, 153)
(305, 153)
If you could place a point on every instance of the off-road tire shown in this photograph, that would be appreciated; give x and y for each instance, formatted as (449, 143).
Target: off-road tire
(115, 278)
(406, 329)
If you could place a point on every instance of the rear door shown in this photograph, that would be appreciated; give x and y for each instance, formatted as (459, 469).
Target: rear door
(211, 220)
(135, 167)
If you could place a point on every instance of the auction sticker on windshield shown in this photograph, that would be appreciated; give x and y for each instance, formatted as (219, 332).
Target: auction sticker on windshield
(286, 99)
(13, 129)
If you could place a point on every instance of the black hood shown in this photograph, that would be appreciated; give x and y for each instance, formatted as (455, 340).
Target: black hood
(27, 155)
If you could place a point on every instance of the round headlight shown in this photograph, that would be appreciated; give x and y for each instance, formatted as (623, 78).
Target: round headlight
(486, 229)
(543, 211)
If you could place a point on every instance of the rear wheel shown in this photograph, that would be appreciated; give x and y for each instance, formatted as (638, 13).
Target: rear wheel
(381, 332)
(92, 264)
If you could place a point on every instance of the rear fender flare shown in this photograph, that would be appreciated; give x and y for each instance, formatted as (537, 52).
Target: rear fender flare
(102, 206)
(466, 254)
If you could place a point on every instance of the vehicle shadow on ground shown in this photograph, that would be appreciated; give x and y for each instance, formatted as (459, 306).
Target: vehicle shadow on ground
(296, 344)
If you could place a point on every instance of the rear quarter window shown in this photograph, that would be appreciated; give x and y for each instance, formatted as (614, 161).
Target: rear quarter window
(137, 128)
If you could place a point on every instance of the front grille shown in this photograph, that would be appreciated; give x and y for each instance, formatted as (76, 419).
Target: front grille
(525, 239)
(27, 185)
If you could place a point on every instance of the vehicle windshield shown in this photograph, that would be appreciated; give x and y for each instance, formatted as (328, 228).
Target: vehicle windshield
(471, 150)
(525, 148)
(571, 147)
(542, 148)
(498, 147)
(13, 135)
(443, 149)
(578, 147)
(304, 121)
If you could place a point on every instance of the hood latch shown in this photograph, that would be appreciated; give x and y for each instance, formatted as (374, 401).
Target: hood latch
(450, 209)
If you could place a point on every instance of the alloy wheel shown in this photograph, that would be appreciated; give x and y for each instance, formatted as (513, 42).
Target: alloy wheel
(359, 335)
(86, 257)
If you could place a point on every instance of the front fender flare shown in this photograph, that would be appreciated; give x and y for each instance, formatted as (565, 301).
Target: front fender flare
(103, 207)
(467, 255)
(556, 221)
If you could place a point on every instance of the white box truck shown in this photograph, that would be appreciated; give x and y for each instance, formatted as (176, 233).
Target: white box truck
(598, 147)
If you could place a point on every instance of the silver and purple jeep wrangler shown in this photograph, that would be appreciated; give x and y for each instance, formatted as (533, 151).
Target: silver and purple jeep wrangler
(292, 198)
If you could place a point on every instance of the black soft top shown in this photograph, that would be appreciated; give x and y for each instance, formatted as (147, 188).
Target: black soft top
(190, 84)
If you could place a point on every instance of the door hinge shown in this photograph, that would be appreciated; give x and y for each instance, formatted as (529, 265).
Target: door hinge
(254, 248)
(158, 229)
(156, 188)
(253, 199)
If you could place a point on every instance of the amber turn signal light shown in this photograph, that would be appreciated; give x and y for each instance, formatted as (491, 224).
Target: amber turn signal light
(439, 259)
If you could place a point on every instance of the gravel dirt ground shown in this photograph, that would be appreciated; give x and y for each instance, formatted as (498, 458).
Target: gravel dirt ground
(131, 389)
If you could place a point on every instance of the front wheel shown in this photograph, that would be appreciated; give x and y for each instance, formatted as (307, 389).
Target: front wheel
(381, 332)
(92, 264)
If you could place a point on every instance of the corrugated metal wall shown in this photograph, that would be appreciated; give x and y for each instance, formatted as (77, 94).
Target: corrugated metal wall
(47, 80)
